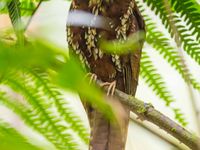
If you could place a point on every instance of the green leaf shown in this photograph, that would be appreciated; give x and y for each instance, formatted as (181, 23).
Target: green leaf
(122, 46)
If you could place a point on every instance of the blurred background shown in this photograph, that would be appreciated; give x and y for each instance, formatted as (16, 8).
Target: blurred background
(50, 23)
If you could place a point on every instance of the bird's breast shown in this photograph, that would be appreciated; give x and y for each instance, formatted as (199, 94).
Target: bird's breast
(85, 40)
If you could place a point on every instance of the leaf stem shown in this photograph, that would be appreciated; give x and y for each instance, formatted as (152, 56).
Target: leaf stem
(32, 15)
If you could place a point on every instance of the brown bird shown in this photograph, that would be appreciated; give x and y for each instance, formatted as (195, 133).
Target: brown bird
(121, 19)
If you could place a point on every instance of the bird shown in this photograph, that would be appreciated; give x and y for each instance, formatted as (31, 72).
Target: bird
(122, 19)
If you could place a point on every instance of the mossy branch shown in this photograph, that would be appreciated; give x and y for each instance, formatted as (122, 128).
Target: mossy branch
(146, 111)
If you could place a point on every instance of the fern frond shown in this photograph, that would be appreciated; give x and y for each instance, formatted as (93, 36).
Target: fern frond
(42, 109)
(190, 45)
(179, 116)
(63, 108)
(161, 43)
(172, 22)
(12, 139)
(189, 9)
(158, 7)
(155, 81)
(28, 115)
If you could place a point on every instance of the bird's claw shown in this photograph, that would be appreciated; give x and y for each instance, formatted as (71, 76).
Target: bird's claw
(92, 76)
(111, 87)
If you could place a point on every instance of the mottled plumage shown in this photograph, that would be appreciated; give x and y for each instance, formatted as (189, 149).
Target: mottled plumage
(123, 69)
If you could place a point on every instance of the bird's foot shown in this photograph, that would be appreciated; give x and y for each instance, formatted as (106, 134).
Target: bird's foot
(111, 87)
(92, 76)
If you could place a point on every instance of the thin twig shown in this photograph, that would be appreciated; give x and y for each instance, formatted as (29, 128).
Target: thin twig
(32, 15)
(172, 142)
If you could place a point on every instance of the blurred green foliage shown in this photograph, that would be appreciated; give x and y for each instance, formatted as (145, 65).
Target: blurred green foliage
(27, 7)
(39, 71)
(16, 142)
(131, 44)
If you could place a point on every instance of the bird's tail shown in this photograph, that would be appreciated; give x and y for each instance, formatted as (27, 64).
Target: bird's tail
(107, 135)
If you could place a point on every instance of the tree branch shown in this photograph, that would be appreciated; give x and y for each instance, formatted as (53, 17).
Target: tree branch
(146, 111)
(165, 137)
